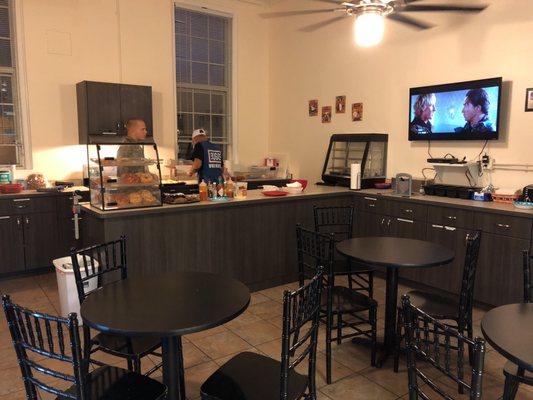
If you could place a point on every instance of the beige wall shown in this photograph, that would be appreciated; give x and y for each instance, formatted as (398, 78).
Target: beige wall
(129, 41)
(326, 63)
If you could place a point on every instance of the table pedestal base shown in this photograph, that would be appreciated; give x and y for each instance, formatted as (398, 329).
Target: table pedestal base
(173, 373)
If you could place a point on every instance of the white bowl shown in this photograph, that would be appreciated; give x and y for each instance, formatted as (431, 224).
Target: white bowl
(293, 190)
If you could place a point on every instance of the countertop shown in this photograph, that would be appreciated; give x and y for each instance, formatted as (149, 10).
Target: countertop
(484, 206)
(254, 197)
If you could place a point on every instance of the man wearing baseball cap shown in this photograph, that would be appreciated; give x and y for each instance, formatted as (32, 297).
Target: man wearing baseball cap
(206, 157)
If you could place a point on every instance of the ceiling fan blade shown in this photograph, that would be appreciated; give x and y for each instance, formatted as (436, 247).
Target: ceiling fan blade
(441, 7)
(314, 27)
(414, 23)
(297, 12)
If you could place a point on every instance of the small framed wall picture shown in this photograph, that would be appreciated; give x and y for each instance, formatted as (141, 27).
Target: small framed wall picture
(357, 111)
(529, 99)
(326, 115)
(340, 104)
(313, 108)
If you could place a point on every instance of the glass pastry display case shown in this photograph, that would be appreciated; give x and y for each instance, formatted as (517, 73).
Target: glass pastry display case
(126, 175)
(369, 150)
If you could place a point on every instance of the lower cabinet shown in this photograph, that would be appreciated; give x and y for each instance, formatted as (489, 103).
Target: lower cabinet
(41, 240)
(11, 244)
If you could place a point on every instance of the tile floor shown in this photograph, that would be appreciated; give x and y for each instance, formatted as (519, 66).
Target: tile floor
(258, 330)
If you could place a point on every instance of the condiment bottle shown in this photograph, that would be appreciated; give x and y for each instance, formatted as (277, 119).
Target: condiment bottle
(230, 188)
(220, 187)
(202, 188)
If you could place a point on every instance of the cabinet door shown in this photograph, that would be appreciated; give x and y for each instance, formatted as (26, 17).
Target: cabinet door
(11, 244)
(41, 238)
(103, 108)
(370, 224)
(409, 229)
(499, 272)
(446, 277)
(136, 102)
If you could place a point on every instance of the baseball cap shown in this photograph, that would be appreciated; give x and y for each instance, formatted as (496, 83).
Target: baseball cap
(199, 132)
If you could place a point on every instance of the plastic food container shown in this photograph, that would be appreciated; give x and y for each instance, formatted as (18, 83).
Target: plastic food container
(10, 188)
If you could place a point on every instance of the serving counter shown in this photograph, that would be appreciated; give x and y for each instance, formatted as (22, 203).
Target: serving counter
(252, 240)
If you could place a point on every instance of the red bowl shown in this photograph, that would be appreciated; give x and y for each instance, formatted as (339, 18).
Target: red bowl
(10, 188)
(303, 182)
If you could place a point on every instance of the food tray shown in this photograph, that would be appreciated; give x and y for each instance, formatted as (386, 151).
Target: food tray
(124, 162)
(504, 198)
(181, 199)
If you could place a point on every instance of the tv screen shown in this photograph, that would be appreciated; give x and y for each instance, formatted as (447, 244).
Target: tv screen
(456, 111)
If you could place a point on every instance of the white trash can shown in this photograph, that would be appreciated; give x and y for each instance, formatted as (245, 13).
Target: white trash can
(66, 285)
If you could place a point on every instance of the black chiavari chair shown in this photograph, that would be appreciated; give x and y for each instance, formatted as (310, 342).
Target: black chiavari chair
(39, 338)
(339, 221)
(515, 375)
(103, 264)
(437, 345)
(348, 307)
(250, 376)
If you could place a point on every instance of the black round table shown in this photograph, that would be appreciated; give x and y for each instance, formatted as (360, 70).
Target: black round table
(509, 329)
(394, 253)
(167, 306)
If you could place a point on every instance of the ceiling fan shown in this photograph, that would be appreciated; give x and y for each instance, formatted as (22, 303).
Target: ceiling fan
(369, 15)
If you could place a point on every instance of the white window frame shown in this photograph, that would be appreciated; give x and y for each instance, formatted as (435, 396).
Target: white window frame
(19, 82)
(203, 7)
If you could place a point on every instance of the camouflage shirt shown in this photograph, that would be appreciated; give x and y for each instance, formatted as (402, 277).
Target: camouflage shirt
(130, 151)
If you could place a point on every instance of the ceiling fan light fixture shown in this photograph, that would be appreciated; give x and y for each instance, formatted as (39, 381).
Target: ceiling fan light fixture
(369, 27)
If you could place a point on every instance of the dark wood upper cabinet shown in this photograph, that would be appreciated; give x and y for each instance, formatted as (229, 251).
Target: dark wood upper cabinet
(104, 108)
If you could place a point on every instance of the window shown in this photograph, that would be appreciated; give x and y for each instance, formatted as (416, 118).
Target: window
(203, 71)
(11, 143)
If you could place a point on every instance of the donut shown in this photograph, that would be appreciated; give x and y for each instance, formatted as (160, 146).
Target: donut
(145, 177)
(135, 198)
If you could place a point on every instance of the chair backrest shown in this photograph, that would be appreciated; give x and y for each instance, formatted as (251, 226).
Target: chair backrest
(442, 347)
(314, 250)
(337, 220)
(466, 296)
(301, 312)
(100, 264)
(528, 284)
(40, 337)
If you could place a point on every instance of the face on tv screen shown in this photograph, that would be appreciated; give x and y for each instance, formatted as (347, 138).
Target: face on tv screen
(460, 113)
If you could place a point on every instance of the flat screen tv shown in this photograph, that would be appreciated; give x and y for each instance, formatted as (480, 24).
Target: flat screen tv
(456, 111)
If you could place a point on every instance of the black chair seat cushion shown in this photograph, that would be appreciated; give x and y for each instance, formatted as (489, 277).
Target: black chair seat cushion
(435, 305)
(512, 369)
(119, 344)
(111, 383)
(251, 376)
(348, 300)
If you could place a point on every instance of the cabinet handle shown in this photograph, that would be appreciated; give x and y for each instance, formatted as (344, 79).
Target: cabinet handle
(5, 217)
(407, 210)
(382, 221)
(388, 222)
(18, 221)
(371, 205)
(450, 228)
(371, 198)
(452, 217)
(19, 200)
(437, 226)
(506, 226)
(27, 221)
(109, 133)
(405, 220)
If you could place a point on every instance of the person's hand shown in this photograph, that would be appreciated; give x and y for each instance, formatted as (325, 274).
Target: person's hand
(191, 172)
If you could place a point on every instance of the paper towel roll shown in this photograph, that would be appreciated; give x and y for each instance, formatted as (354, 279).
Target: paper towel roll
(355, 176)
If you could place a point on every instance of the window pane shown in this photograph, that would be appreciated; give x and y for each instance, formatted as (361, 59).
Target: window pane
(199, 73)
(183, 47)
(7, 117)
(218, 103)
(216, 52)
(183, 71)
(198, 25)
(4, 23)
(217, 28)
(199, 49)
(184, 151)
(202, 121)
(216, 75)
(201, 102)
(4, 3)
(184, 100)
(8, 155)
(219, 127)
(182, 22)
(6, 92)
(185, 126)
(5, 53)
